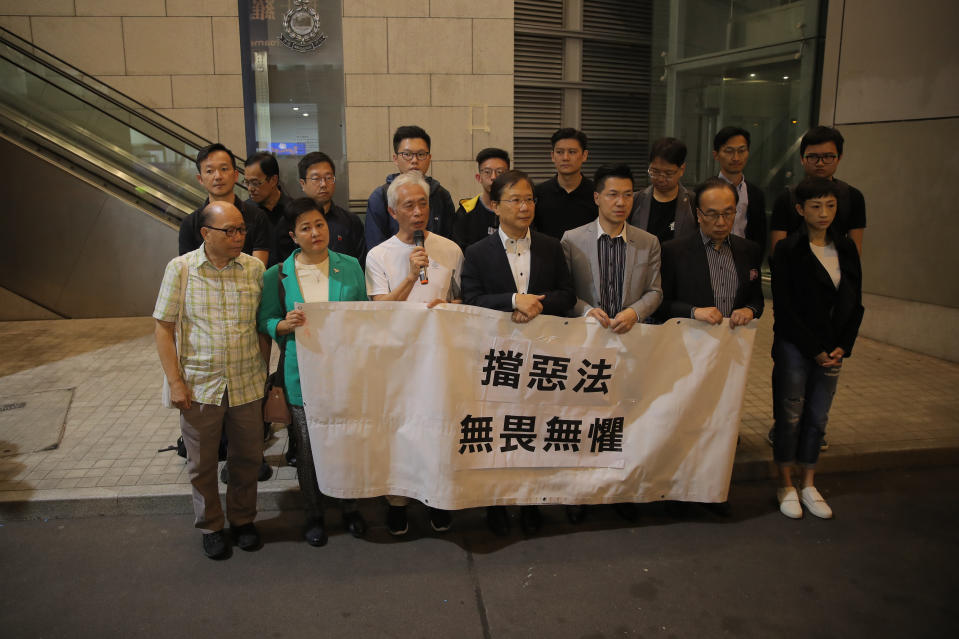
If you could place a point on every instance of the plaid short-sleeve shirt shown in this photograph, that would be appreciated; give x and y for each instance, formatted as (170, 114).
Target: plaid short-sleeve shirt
(219, 349)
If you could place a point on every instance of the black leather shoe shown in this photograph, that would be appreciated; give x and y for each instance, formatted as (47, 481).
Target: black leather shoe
(498, 520)
(315, 533)
(355, 523)
(247, 537)
(530, 519)
(215, 545)
(225, 475)
(265, 471)
(440, 520)
(576, 514)
(627, 510)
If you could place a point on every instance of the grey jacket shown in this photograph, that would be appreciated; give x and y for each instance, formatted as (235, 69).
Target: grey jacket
(642, 288)
(685, 219)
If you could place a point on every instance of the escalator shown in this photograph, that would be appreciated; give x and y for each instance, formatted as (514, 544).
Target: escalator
(93, 185)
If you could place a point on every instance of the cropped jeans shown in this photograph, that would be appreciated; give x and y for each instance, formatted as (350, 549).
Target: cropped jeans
(802, 395)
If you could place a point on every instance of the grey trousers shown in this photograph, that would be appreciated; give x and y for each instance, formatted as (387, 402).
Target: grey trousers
(201, 426)
(306, 469)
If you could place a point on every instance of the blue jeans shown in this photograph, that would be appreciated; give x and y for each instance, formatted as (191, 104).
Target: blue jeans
(802, 395)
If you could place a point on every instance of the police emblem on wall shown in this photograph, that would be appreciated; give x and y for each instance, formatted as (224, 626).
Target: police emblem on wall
(301, 28)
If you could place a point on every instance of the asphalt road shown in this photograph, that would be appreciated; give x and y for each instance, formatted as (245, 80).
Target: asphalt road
(886, 566)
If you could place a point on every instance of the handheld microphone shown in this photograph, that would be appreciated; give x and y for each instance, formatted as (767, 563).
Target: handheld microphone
(418, 240)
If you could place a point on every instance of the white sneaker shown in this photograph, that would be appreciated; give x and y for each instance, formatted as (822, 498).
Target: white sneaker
(789, 502)
(815, 504)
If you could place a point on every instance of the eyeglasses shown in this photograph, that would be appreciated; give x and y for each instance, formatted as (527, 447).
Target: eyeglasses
(230, 231)
(816, 158)
(733, 151)
(409, 155)
(656, 173)
(712, 216)
(319, 179)
(517, 201)
(253, 184)
(489, 172)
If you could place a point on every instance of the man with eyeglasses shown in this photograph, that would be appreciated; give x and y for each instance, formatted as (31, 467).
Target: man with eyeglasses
(318, 181)
(261, 176)
(411, 152)
(710, 274)
(820, 152)
(395, 271)
(565, 201)
(475, 219)
(216, 171)
(731, 150)
(217, 370)
(664, 208)
(521, 272)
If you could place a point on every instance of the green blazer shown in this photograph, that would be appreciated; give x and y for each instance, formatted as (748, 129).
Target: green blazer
(347, 284)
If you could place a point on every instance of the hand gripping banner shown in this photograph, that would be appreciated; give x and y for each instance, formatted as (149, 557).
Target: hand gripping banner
(459, 407)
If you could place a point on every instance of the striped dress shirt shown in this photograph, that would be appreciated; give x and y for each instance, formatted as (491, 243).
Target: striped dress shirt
(722, 274)
(611, 252)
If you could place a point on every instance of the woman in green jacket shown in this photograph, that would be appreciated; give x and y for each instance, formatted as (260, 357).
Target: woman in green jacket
(313, 273)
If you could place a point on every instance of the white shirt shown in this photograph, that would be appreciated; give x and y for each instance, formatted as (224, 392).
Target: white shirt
(388, 264)
(829, 258)
(518, 256)
(739, 223)
(314, 280)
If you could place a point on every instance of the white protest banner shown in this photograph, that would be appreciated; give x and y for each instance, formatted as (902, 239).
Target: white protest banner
(459, 407)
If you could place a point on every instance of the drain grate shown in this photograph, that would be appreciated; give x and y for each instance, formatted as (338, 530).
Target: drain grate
(33, 421)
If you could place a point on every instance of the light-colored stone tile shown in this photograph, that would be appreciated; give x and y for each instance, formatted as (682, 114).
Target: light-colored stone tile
(226, 45)
(500, 134)
(386, 8)
(449, 129)
(471, 9)
(368, 135)
(467, 90)
(152, 90)
(203, 8)
(175, 46)
(366, 176)
(364, 45)
(37, 8)
(94, 45)
(19, 25)
(202, 122)
(458, 178)
(207, 91)
(432, 45)
(387, 90)
(493, 46)
(232, 130)
(120, 8)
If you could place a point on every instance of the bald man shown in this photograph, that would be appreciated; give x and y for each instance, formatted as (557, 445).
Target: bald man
(216, 370)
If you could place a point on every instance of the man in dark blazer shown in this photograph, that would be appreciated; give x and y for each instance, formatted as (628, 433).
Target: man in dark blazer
(521, 272)
(731, 151)
(516, 269)
(711, 274)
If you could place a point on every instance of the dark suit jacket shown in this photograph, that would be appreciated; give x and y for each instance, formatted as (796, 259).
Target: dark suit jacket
(811, 312)
(756, 217)
(686, 281)
(487, 280)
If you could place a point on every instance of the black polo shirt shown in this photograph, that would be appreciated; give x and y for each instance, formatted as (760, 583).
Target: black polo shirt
(558, 211)
(346, 233)
(850, 210)
(258, 228)
(281, 242)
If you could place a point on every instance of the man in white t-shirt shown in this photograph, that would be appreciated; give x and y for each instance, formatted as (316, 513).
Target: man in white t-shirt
(394, 273)
(393, 268)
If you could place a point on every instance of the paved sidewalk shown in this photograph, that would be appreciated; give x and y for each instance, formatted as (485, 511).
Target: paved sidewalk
(893, 408)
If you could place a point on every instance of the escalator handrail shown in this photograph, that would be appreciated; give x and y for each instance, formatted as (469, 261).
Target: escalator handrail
(87, 81)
